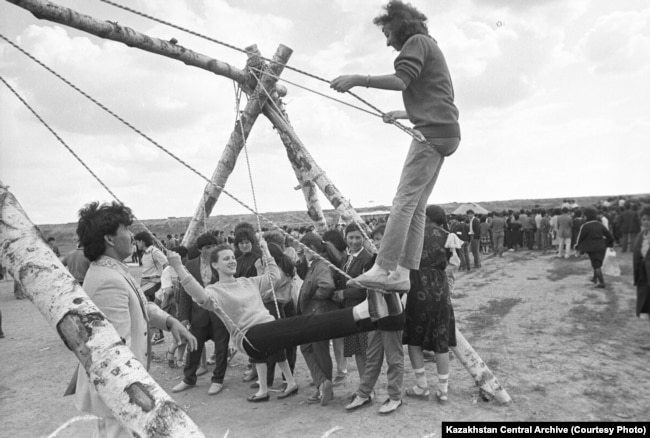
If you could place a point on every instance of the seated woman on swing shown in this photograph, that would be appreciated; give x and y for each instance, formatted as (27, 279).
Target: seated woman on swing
(238, 303)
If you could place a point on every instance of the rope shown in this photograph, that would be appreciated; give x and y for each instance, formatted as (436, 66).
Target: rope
(192, 169)
(406, 129)
(74, 154)
(238, 121)
(103, 185)
(284, 118)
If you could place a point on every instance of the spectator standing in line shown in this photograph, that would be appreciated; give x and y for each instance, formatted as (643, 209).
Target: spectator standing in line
(546, 233)
(474, 232)
(577, 221)
(528, 224)
(153, 262)
(538, 227)
(77, 264)
(498, 227)
(564, 226)
(461, 229)
(486, 243)
(630, 224)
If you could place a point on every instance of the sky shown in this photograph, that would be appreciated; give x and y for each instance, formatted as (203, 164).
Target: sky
(553, 97)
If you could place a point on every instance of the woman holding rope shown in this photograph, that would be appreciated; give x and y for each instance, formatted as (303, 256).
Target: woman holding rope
(421, 74)
(238, 303)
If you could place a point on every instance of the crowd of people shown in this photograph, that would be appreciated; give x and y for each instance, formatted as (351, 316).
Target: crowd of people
(266, 294)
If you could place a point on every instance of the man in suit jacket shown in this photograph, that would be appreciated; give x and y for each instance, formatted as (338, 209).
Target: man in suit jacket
(474, 238)
(103, 232)
(202, 323)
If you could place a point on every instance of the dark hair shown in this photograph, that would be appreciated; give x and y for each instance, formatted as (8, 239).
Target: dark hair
(145, 237)
(181, 250)
(214, 254)
(436, 214)
(590, 214)
(274, 236)
(313, 241)
(97, 221)
(282, 260)
(404, 19)
(245, 233)
(351, 228)
(379, 229)
(206, 239)
(336, 239)
(470, 211)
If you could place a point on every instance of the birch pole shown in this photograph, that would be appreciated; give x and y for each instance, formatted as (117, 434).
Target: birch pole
(237, 140)
(482, 375)
(46, 10)
(122, 382)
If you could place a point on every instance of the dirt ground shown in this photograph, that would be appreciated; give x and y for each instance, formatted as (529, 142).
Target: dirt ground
(563, 350)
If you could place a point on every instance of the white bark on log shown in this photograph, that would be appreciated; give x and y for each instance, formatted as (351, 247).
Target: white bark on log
(121, 381)
(236, 143)
(482, 375)
(46, 10)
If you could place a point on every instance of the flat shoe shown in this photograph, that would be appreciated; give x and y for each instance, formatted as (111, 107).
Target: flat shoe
(369, 281)
(390, 406)
(201, 371)
(181, 387)
(250, 377)
(288, 392)
(258, 398)
(215, 388)
(441, 397)
(410, 392)
(357, 403)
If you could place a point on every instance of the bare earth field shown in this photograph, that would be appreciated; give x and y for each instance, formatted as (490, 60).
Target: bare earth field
(563, 350)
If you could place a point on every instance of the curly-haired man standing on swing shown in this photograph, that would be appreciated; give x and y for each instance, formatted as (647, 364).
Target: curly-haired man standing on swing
(421, 74)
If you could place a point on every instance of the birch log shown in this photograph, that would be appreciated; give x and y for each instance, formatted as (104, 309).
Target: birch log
(122, 382)
(482, 375)
(236, 142)
(46, 10)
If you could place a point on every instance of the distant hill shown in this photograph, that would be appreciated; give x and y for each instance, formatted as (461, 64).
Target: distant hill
(66, 238)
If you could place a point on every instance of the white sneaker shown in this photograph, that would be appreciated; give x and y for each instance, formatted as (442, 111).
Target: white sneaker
(390, 406)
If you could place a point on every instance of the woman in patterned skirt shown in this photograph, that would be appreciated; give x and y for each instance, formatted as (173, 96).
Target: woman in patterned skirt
(430, 323)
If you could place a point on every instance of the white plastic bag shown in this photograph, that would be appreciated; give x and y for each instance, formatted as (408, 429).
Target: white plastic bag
(610, 264)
